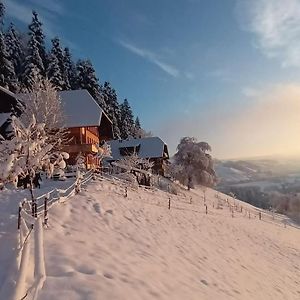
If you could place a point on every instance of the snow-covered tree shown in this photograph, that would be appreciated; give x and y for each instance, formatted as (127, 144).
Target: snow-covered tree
(127, 121)
(54, 72)
(7, 72)
(15, 49)
(141, 168)
(139, 132)
(36, 57)
(87, 79)
(104, 151)
(42, 101)
(29, 151)
(112, 107)
(33, 64)
(57, 55)
(193, 165)
(36, 33)
(70, 68)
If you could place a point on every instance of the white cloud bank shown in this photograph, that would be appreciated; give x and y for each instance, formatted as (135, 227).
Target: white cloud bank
(276, 25)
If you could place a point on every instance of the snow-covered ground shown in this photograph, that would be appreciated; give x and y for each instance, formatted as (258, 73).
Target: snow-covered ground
(101, 245)
(9, 203)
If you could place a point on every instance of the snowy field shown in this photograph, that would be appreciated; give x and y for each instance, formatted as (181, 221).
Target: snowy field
(9, 203)
(101, 245)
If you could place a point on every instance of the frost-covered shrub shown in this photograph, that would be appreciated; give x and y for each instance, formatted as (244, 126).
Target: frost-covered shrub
(129, 178)
(28, 152)
(164, 184)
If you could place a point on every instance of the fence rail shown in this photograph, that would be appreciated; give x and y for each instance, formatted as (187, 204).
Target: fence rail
(31, 218)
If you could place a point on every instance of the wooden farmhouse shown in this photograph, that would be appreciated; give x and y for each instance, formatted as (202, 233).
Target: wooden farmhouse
(152, 148)
(87, 124)
(9, 105)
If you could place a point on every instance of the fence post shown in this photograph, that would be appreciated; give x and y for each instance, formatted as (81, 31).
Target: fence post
(46, 211)
(126, 192)
(77, 187)
(169, 202)
(19, 215)
(190, 200)
(205, 209)
(33, 208)
(259, 215)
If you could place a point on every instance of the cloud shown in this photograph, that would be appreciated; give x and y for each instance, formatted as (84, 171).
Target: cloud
(151, 57)
(267, 125)
(276, 26)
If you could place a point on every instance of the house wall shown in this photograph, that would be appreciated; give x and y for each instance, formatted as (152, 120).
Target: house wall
(84, 141)
(159, 166)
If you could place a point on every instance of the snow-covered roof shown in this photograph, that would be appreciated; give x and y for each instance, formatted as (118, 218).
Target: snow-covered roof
(4, 117)
(149, 147)
(81, 109)
(10, 102)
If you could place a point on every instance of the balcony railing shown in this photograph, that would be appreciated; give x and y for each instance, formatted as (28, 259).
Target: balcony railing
(81, 148)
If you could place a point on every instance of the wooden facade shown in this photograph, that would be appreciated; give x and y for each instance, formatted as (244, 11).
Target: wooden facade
(85, 141)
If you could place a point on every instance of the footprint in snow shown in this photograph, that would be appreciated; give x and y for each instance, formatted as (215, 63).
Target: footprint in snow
(108, 275)
(97, 208)
(204, 281)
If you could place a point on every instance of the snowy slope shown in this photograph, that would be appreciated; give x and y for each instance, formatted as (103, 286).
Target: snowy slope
(101, 245)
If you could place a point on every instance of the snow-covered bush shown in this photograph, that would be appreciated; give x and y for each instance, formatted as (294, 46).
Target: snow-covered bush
(135, 162)
(129, 178)
(28, 152)
(192, 164)
(140, 167)
(164, 184)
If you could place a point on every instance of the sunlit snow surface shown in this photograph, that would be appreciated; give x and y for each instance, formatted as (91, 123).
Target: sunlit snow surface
(100, 245)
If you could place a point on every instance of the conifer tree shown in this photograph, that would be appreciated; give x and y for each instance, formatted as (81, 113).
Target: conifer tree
(33, 64)
(15, 49)
(59, 54)
(138, 131)
(87, 79)
(7, 73)
(112, 107)
(70, 69)
(54, 72)
(127, 122)
(36, 34)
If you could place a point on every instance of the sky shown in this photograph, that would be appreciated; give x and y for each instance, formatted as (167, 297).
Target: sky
(226, 72)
